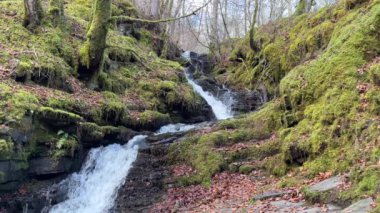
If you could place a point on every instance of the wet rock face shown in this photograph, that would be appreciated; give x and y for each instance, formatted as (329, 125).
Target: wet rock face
(248, 101)
(145, 183)
(46, 167)
(12, 174)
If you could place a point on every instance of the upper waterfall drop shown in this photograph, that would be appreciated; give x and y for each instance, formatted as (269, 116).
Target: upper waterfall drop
(222, 110)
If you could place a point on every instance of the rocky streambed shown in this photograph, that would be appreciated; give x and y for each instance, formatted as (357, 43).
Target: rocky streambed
(49, 183)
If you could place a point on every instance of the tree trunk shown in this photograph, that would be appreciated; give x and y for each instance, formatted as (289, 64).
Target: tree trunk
(92, 52)
(304, 6)
(56, 11)
(252, 42)
(33, 13)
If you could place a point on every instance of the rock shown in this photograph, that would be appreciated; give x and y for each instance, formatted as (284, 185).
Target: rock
(12, 173)
(164, 138)
(144, 185)
(330, 209)
(283, 204)
(57, 117)
(362, 206)
(327, 185)
(267, 195)
(47, 167)
(247, 101)
(92, 135)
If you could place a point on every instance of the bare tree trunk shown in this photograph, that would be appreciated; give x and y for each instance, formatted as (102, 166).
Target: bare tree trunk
(214, 24)
(92, 52)
(252, 43)
(224, 23)
(33, 13)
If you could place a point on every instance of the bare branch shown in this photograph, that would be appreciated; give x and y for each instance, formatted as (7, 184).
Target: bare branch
(128, 18)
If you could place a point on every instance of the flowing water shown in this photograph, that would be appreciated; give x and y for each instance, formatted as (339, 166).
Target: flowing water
(220, 106)
(94, 188)
(221, 110)
(173, 128)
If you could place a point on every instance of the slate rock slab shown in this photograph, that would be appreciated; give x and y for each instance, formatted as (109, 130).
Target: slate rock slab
(362, 206)
(327, 185)
(267, 195)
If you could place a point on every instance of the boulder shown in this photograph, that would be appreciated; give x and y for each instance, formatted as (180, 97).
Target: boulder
(362, 206)
(12, 173)
(46, 167)
(328, 184)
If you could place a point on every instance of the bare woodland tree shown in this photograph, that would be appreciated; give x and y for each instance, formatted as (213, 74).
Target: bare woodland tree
(33, 13)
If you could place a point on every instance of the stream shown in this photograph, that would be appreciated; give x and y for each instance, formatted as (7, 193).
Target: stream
(94, 188)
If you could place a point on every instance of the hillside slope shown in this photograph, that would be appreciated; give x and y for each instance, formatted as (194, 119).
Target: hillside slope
(47, 113)
(322, 72)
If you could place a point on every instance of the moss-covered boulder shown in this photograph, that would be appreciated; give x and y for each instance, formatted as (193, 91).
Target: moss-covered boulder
(56, 117)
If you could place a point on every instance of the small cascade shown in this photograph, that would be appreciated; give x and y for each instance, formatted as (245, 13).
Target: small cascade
(221, 110)
(94, 188)
(174, 128)
(221, 105)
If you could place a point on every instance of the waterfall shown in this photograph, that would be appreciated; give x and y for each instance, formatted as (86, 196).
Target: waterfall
(221, 110)
(94, 188)
(220, 107)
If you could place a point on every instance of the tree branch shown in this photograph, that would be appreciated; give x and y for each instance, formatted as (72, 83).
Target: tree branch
(128, 18)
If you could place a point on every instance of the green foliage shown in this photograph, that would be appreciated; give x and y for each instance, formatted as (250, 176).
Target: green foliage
(66, 145)
(6, 148)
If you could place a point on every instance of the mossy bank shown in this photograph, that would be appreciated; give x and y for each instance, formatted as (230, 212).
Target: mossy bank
(321, 71)
(50, 110)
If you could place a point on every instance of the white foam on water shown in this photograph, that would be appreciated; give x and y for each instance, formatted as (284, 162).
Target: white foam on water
(94, 188)
(173, 128)
(221, 110)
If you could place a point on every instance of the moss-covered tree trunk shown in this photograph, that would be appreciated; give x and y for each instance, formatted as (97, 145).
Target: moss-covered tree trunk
(33, 13)
(304, 6)
(91, 58)
(56, 11)
(252, 42)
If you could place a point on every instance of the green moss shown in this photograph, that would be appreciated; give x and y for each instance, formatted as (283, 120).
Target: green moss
(91, 132)
(246, 169)
(112, 111)
(152, 118)
(16, 105)
(369, 182)
(50, 114)
(6, 148)
(276, 165)
(318, 197)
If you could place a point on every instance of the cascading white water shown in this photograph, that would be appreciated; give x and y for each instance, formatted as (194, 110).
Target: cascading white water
(94, 188)
(173, 128)
(221, 110)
